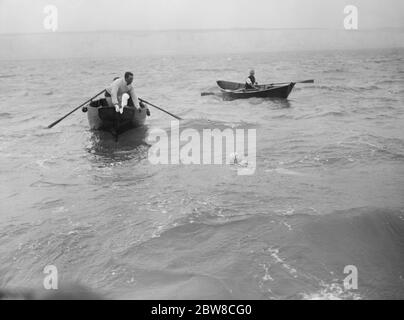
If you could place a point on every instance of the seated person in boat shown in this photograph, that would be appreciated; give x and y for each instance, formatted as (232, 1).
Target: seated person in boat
(250, 82)
(118, 88)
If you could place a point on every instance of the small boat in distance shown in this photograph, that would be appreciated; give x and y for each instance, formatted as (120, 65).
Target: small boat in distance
(103, 117)
(235, 90)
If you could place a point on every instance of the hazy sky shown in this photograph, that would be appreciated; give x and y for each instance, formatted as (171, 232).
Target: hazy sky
(26, 16)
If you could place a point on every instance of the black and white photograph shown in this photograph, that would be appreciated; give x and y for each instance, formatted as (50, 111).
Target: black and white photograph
(201, 150)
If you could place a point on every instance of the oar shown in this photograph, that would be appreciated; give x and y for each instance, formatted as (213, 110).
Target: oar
(83, 104)
(161, 109)
(303, 81)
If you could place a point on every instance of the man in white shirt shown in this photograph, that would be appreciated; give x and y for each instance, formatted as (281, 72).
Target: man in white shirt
(119, 87)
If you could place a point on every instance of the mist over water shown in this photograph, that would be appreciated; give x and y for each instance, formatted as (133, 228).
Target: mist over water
(327, 193)
(111, 44)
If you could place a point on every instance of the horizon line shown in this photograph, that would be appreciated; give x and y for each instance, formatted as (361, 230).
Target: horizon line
(195, 30)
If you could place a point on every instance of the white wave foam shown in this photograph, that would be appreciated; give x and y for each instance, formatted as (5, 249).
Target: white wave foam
(331, 291)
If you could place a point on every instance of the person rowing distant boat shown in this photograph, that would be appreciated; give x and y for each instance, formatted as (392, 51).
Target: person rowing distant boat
(116, 91)
(250, 82)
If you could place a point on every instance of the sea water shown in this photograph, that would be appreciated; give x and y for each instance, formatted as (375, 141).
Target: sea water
(327, 193)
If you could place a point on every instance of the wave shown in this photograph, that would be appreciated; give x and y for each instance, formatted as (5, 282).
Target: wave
(283, 171)
(391, 148)
(214, 70)
(6, 76)
(386, 60)
(5, 115)
(389, 81)
(331, 291)
(49, 184)
(336, 70)
(204, 123)
(288, 257)
(326, 114)
(351, 150)
(295, 256)
(339, 88)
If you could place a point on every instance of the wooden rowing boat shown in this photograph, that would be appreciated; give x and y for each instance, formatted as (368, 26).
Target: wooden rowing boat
(103, 117)
(235, 90)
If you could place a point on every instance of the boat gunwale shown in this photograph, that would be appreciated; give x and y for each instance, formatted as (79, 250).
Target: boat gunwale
(266, 87)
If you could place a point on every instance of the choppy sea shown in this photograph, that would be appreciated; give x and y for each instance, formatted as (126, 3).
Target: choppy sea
(328, 191)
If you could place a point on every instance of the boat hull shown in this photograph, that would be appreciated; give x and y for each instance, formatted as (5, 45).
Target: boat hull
(234, 90)
(107, 119)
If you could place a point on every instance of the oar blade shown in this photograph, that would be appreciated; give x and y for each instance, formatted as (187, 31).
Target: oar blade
(306, 81)
(53, 124)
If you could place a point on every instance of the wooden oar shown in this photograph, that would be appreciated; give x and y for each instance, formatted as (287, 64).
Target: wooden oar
(161, 109)
(75, 109)
(303, 81)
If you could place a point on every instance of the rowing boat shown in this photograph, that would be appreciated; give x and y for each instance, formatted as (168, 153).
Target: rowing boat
(103, 117)
(235, 90)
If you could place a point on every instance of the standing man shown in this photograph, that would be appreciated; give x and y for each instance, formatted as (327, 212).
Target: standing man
(119, 87)
(250, 82)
